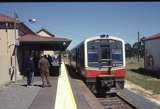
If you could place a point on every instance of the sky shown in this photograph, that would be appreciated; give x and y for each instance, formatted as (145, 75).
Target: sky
(80, 20)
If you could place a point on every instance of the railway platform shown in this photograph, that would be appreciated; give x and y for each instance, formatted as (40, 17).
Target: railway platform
(65, 93)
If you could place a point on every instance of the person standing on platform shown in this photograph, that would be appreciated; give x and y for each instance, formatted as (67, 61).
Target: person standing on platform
(50, 63)
(44, 66)
(50, 60)
(29, 70)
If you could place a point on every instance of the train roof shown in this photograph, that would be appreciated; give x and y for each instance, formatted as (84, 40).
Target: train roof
(77, 45)
(103, 37)
(99, 37)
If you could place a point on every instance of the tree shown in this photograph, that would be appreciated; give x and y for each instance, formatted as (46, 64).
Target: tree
(128, 50)
(135, 48)
(141, 48)
(138, 48)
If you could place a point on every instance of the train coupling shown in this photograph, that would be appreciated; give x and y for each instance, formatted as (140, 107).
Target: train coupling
(104, 83)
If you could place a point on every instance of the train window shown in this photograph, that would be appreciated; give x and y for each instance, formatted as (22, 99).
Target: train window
(117, 55)
(92, 54)
(92, 57)
(104, 43)
(111, 41)
(103, 53)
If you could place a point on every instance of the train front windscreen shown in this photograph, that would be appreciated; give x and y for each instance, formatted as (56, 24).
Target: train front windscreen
(105, 53)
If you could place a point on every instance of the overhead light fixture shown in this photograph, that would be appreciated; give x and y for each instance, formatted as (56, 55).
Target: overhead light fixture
(32, 20)
(64, 43)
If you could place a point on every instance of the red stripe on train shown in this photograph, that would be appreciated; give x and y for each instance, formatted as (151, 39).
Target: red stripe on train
(94, 73)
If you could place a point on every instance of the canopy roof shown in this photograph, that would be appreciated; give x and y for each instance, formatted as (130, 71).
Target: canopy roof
(5, 18)
(155, 36)
(44, 43)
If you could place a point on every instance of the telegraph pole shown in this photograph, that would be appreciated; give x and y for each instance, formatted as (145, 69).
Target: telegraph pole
(138, 47)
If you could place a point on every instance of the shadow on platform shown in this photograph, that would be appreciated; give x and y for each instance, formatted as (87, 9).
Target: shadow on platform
(54, 71)
(36, 85)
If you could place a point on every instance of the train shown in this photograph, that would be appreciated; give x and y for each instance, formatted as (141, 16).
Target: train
(100, 60)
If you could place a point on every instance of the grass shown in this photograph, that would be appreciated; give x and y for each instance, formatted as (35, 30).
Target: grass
(137, 75)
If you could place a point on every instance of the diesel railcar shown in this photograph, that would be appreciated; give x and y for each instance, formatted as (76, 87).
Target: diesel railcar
(101, 62)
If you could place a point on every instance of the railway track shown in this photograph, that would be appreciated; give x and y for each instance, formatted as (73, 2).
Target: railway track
(111, 101)
(115, 101)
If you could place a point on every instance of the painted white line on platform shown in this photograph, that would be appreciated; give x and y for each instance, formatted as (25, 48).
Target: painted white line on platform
(64, 96)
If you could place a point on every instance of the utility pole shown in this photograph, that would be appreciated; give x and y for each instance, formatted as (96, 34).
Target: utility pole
(138, 47)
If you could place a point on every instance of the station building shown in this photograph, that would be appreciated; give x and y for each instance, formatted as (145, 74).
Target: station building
(17, 41)
(152, 53)
(46, 33)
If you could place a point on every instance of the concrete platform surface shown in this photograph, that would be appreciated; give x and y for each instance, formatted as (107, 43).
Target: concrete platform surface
(18, 96)
(83, 96)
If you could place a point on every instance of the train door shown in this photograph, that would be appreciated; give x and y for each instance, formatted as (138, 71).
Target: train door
(105, 55)
(77, 58)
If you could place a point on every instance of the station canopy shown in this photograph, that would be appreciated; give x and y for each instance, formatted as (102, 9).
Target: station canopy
(43, 43)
